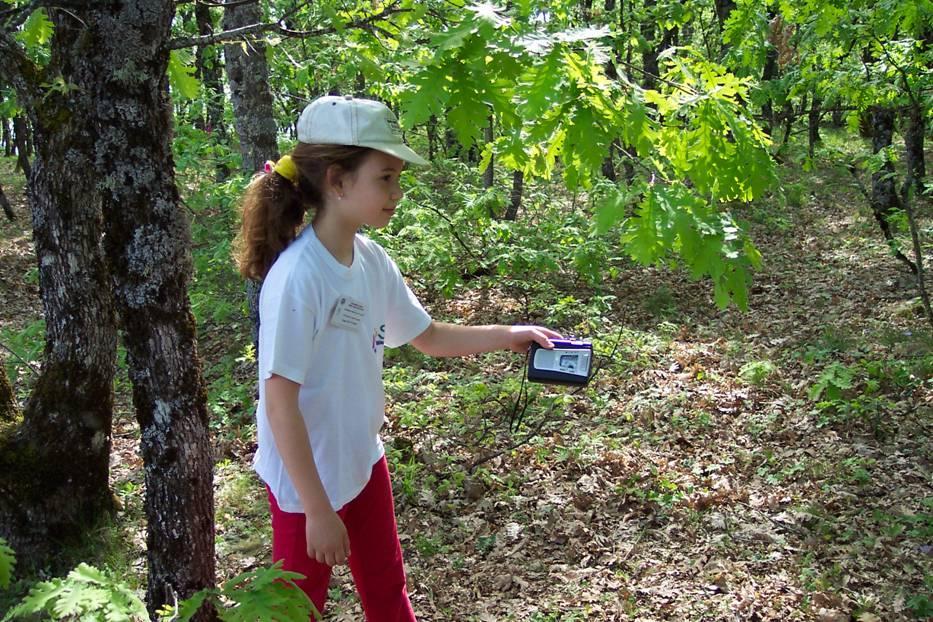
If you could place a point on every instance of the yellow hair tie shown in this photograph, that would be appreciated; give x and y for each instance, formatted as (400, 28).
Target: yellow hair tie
(285, 167)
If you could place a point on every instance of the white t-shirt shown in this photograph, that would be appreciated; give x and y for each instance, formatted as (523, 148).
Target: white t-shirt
(339, 368)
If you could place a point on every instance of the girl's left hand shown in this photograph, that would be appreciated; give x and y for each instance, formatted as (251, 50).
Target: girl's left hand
(521, 337)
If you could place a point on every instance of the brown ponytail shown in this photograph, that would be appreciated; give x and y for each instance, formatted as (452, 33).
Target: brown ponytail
(273, 207)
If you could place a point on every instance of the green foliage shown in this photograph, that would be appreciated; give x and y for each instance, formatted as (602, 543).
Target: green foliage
(7, 562)
(181, 74)
(86, 594)
(36, 34)
(26, 343)
(266, 594)
(834, 379)
(757, 372)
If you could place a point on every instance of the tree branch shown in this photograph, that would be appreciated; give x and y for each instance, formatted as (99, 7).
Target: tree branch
(279, 27)
(13, 18)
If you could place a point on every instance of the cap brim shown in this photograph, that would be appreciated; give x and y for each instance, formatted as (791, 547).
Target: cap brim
(398, 150)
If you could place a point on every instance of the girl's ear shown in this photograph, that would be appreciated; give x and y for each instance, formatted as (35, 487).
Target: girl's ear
(333, 179)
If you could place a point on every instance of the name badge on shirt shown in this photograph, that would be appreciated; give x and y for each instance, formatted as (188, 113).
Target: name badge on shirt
(348, 313)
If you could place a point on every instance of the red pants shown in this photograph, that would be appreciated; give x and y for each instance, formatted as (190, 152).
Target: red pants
(375, 553)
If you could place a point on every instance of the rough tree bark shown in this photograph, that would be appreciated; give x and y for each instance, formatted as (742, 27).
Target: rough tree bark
(54, 467)
(248, 75)
(148, 247)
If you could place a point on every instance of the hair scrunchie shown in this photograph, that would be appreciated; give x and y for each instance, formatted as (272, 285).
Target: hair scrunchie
(285, 167)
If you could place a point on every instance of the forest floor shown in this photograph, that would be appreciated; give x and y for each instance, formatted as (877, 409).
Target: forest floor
(698, 477)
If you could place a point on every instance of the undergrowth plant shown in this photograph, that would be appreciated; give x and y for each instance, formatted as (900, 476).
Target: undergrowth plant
(92, 595)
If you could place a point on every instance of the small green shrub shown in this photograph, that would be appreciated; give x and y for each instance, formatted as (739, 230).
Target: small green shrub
(87, 594)
(757, 372)
(263, 594)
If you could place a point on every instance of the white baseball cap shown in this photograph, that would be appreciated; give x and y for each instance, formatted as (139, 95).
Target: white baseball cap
(346, 120)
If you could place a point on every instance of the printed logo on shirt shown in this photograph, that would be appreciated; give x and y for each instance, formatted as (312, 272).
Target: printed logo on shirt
(379, 336)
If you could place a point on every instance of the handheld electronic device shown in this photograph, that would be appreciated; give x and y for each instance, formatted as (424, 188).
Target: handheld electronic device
(570, 362)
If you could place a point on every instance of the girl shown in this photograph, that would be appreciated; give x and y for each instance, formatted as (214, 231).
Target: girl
(331, 301)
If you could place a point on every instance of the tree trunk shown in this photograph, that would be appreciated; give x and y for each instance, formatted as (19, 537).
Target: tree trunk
(649, 58)
(769, 73)
(23, 145)
(489, 174)
(148, 245)
(248, 75)
(5, 205)
(7, 399)
(210, 73)
(515, 197)
(884, 198)
(432, 137)
(813, 128)
(724, 9)
(54, 468)
(9, 146)
(914, 134)
(838, 115)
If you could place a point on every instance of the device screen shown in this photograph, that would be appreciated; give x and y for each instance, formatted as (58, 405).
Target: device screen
(576, 362)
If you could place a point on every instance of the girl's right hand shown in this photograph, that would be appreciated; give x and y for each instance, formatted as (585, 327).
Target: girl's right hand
(327, 538)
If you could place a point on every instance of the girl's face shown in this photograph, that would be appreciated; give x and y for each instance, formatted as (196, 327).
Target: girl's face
(369, 196)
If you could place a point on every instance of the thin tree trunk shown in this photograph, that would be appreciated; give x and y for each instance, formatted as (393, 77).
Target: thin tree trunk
(148, 245)
(248, 75)
(649, 58)
(787, 112)
(609, 166)
(884, 199)
(23, 145)
(8, 143)
(7, 399)
(914, 134)
(813, 128)
(769, 73)
(432, 137)
(210, 73)
(724, 9)
(515, 197)
(918, 248)
(489, 174)
(54, 467)
(7, 208)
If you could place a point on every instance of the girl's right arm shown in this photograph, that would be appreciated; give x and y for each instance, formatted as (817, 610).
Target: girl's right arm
(325, 533)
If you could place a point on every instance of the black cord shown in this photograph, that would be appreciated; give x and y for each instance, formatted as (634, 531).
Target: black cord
(517, 416)
(515, 419)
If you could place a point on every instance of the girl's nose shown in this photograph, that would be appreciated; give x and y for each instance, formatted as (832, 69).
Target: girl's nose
(397, 193)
